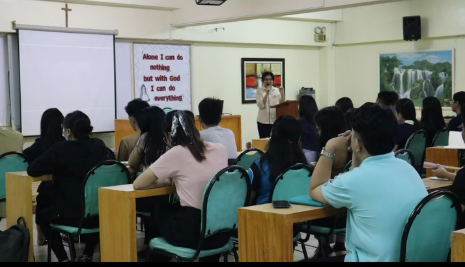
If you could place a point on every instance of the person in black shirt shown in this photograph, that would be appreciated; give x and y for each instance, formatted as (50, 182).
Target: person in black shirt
(455, 125)
(344, 104)
(69, 162)
(432, 120)
(50, 134)
(408, 124)
(308, 108)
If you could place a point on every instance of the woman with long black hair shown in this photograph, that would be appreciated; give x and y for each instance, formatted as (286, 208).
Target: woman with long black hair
(190, 164)
(308, 108)
(432, 120)
(408, 123)
(283, 152)
(150, 145)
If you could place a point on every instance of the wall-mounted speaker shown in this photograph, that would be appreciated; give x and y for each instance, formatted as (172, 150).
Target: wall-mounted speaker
(412, 28)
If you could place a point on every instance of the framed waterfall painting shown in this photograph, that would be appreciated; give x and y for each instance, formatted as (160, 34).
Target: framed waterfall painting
(419, 75)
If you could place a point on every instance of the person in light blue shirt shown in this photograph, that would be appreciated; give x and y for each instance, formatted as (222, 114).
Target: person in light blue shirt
(380, 192)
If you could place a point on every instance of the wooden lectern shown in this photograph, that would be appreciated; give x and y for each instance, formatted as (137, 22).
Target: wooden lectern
(290, 108)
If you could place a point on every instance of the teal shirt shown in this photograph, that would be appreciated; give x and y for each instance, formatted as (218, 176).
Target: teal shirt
(379, 195)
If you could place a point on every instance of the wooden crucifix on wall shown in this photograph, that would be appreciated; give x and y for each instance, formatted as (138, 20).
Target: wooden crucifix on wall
(66, 9)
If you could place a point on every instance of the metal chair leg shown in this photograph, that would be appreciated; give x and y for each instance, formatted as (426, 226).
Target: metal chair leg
(49, 248)
(236, 257)
(72, 250)
(304, 250)
(225, 255)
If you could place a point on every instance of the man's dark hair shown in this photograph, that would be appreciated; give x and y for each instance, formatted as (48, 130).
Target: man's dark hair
(385, 98)
(344, 104)
(376, 127)
(267, 73)
(460, 98)
(394, 98)
(210, 110)
(462, 110)
(135, 108)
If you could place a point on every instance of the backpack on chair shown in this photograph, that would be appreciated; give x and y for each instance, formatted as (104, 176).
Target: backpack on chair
(14, 243)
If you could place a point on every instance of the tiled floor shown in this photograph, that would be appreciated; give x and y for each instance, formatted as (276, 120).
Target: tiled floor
(41, 252)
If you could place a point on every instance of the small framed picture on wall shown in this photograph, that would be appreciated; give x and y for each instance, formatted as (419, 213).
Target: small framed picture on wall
(252, 71)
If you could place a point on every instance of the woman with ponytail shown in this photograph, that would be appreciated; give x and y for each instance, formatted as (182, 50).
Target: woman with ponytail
(69, 162)
(190, 164)
(408, 123)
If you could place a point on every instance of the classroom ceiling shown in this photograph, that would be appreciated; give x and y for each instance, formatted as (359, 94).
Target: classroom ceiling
(186, 13)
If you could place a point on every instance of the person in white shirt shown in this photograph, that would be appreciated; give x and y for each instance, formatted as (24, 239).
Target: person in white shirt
(268, 96)
(210, 110)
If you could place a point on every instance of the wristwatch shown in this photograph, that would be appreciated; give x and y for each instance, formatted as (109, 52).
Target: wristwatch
(327, 154)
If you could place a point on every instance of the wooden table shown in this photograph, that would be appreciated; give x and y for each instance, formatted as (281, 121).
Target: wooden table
(265, 233)
(233, 122)
(260, 144)
(117, 207)
(19, 201)
(444, 156)
(458, 246)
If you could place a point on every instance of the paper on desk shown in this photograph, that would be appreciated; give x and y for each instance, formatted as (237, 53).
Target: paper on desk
(456, 140)
(439, 179)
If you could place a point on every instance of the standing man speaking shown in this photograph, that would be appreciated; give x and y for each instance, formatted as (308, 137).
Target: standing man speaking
(268, 96)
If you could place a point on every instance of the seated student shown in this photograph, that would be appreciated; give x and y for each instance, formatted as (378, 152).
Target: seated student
(348, 117)
(432, 120)
(380, 192)
(134, 110)
(330, 123)
(283, 152)
(10, 141)
(210, 110)
(69, 162)
(455, 125)
(408, 124)
(307, 109)
(50, 134)
(150, 145)
(394, 99)
(384, 100)
(344, 104)
(190, 164)
(458, 179)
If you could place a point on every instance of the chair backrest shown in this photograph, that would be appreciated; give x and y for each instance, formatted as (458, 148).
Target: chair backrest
(11, 162)
(107, 173)
(406, 155)
(417, 145)
(293, 182)
(228, 191)
(441, 138)
(426, 237)
(248, 157)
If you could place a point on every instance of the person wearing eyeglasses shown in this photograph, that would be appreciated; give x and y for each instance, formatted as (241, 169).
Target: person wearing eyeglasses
(268, 96)
(455, 125)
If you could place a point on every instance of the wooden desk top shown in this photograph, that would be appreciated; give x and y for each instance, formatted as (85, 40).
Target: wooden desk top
(34, 179)
(446, 147)
(436, 185)
(128, 190)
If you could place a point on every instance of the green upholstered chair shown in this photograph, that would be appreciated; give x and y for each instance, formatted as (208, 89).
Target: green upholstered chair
(407, 156)
(9, 162)
(441, 138)
(426, 236)
(228, 191)
(106, 174)
(417, 145)
(248, 157)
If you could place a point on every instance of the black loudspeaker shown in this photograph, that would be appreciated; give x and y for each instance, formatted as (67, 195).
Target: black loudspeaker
(412, 28)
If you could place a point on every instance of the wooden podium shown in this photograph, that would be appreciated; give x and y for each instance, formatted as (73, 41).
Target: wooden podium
(290, 108)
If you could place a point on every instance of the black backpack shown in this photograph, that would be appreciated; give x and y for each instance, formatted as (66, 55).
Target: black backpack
(14, 243)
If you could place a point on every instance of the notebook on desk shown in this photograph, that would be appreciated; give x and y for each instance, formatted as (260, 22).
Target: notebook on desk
(305, 201)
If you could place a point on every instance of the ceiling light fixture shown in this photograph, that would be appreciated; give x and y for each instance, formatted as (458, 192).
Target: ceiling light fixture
(210, 2)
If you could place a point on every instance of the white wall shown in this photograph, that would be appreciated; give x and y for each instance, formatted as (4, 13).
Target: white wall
(216, 71)
(368, 31)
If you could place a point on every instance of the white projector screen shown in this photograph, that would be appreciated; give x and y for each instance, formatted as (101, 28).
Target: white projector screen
(68, 71)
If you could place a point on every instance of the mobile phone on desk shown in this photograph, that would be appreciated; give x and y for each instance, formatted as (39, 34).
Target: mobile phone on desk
(281, 204)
